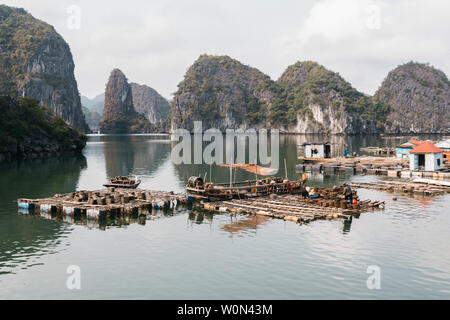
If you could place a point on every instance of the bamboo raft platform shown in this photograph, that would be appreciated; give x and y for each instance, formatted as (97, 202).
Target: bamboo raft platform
(421, 187)
(100, 203)
(329, 205)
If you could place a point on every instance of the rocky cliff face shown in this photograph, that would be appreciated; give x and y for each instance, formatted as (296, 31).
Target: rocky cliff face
(146, 101)
(119, 115)
(323, 119)
(36, 62)
(419, 96)
(223, 93)
(150, 103)
(319, 100)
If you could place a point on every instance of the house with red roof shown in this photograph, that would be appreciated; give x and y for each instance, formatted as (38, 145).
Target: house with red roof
(414, 142)
(425, 156)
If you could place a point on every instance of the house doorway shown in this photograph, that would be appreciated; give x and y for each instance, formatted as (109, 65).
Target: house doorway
(421, 160)
(327, 151)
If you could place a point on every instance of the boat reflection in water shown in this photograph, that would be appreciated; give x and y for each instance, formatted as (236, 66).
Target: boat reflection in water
(240, 225)
(244, 226)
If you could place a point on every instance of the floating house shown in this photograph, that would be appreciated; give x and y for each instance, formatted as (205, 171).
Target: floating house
(402, 151)
(425, 156)
(317, 150)
(445, 147)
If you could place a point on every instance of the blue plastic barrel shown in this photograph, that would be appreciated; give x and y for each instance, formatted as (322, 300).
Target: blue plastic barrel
(24, 205)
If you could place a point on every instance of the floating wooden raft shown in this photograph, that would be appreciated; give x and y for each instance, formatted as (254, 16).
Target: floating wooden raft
(294, 207)
(96, 204)
(419, 188)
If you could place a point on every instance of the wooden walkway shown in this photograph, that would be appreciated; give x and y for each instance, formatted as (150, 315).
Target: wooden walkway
(394, 170)
(410, 186)
(293, 208)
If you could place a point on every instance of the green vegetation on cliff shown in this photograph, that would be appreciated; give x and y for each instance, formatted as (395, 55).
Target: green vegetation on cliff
(25, 123)
(224, 93)
(221, 92)
(36, 62)
(20, 37)
(308, 83)
(28, 118)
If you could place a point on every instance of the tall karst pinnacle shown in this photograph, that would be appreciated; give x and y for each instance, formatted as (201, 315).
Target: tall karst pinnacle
(119, 115)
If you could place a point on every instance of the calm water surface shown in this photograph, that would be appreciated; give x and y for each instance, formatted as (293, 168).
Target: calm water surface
(192, 255)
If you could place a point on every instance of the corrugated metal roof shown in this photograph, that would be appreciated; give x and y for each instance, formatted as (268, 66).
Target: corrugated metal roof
(444, 144)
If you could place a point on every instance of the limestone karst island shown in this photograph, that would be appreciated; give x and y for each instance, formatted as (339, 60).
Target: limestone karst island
(208, 151)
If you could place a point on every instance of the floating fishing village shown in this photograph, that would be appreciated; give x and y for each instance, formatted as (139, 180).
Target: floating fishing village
(226, 152)
(274, 197)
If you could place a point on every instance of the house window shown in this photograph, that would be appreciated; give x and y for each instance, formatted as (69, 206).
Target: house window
(438, 162)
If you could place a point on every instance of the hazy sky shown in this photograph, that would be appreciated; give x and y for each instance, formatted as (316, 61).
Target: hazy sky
(154, 42)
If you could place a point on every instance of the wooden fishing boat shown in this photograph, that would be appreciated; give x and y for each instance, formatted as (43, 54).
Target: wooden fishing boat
(198, 189)
(123, 182)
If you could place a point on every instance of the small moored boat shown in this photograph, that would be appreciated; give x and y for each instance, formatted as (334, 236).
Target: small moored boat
(123, 182)
(197, 188)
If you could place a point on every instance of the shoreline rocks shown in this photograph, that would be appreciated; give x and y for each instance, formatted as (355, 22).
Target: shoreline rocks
(35, 134)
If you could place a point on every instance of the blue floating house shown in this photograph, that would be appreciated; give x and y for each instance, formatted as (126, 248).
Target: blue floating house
(402, 151)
